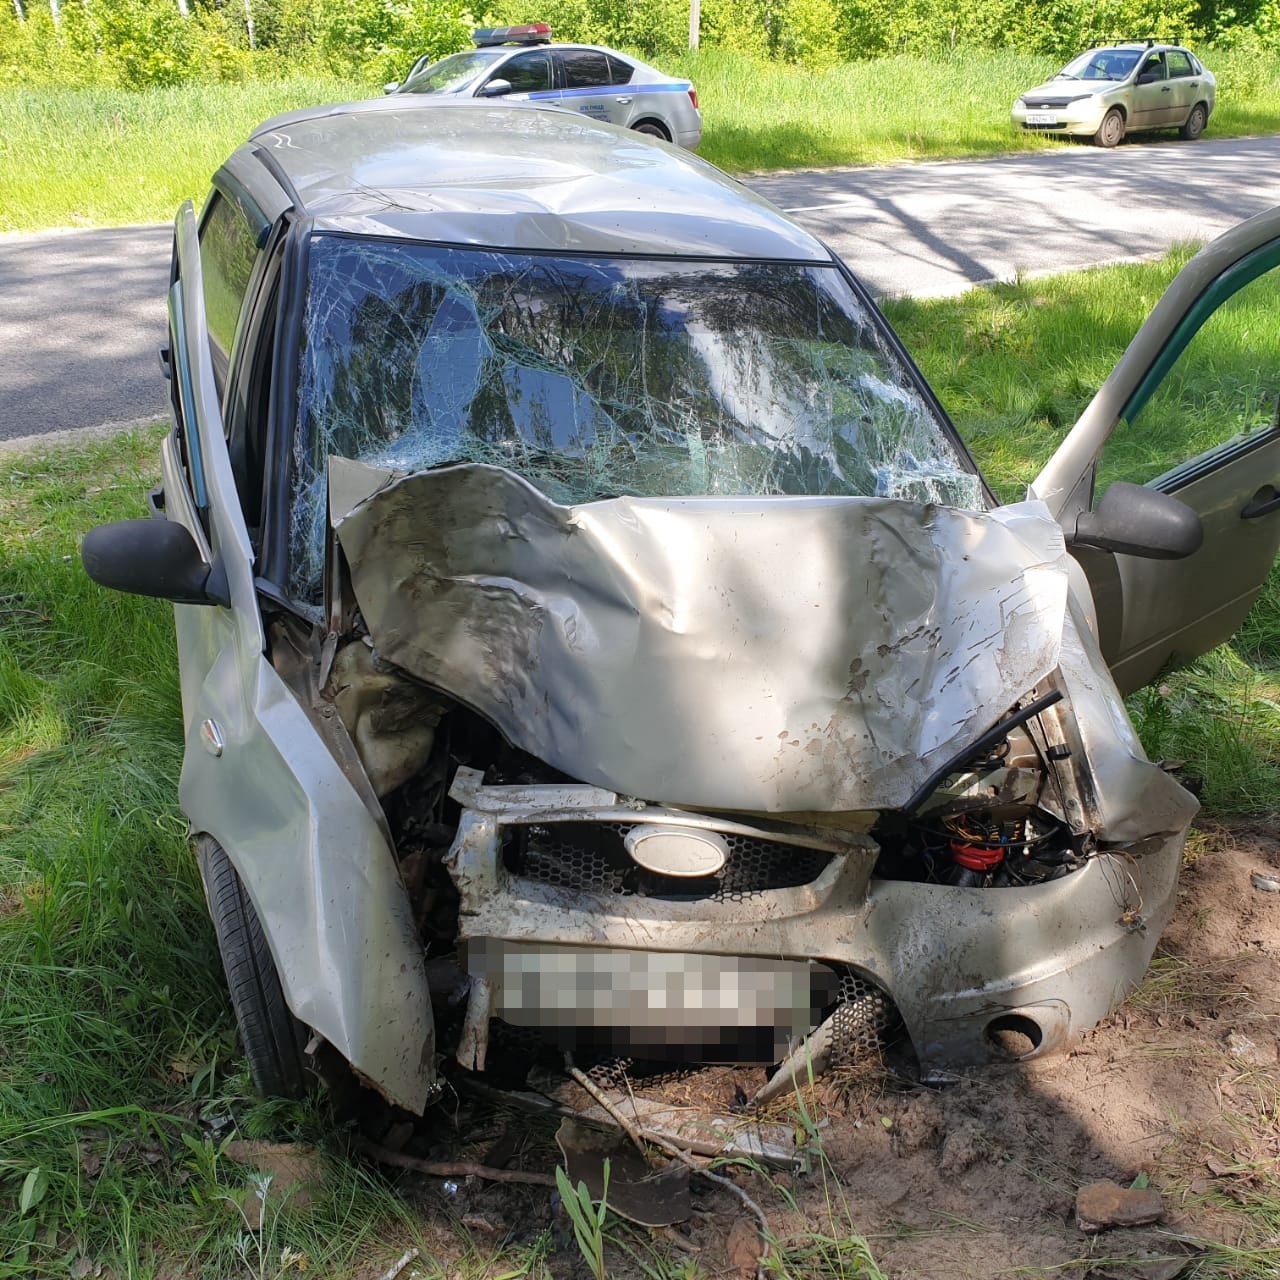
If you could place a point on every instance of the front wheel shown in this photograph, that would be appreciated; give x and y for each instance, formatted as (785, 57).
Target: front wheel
(1111, 130)
(272, 1037)
(1195, 123)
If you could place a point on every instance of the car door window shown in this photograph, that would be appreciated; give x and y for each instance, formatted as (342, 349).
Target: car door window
(584, 69)
(1179, 65)
(1220, 394)
(619, 72)
(1153, 67)
(527, 72)
(1202, 426)
(228, 249)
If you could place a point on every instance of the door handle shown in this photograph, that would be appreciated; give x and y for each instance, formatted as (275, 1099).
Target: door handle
(166, 361)
(623, 101)
(1165, 89)
(1263, 503)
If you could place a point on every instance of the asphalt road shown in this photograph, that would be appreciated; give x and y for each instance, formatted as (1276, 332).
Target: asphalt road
(82, 312)
(935, 229)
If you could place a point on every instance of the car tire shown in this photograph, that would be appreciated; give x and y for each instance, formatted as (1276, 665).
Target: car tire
(652, 130)
(272, 1037)
(1111, 130)
(1195, 123)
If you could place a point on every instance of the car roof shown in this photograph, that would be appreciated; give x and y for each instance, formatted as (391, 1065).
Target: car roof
(468, 171)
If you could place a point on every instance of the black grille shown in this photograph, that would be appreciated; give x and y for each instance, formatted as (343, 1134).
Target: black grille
(863, 1019)
(590, 856)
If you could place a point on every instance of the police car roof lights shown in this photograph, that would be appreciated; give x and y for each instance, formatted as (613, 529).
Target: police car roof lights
(526, 33)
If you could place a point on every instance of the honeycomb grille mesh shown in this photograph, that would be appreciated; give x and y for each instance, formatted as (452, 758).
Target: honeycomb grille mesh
(591, 857)
(862, 1021)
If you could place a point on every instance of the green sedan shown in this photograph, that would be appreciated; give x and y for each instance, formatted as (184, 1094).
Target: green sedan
(1121, 89)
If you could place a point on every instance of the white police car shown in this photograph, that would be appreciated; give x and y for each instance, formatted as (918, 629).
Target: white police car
(521, 64)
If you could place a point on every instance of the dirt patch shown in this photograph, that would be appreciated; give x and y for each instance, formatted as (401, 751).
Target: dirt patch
(1178, 1091)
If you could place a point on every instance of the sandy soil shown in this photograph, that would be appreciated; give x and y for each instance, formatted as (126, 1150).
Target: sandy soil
(980, 1179)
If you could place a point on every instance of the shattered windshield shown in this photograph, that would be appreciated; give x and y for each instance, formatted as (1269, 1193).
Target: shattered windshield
(598, 377)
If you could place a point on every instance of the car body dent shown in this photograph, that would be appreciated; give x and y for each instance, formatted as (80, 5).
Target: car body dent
(1060, 955)
(533, 178)
(523, 599)
(643, 645)
(318, 869)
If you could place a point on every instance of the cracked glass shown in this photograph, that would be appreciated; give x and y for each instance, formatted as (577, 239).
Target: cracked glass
(600, 377)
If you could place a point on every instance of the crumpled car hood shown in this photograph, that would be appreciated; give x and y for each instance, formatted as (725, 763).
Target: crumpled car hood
(777, 654)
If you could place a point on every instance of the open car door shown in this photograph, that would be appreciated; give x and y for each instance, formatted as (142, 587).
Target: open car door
(1191, 411)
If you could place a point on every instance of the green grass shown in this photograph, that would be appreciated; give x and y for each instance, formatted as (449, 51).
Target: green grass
(911, 108)
(108, 157)
(97, 157)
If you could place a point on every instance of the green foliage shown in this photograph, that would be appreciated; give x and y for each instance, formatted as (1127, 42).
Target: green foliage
(378, 40)
(587, 1218)
(143, 43)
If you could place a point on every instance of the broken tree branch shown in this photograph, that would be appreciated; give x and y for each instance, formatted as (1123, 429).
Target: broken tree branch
(452, 1168)
(396, 1268)
(639, 1135)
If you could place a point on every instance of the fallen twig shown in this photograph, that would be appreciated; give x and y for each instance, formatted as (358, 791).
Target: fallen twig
(396, 1268)
(452, 1168)
(640, 1135)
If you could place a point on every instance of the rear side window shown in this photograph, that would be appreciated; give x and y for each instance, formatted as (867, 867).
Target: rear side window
(227, 252)
(1179, 65)
(584, 69)
(619, 72)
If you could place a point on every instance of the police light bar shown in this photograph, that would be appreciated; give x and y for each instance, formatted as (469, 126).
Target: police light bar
(526, 33)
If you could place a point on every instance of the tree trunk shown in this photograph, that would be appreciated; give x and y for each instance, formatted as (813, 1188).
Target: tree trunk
(55, 8)
(248, 23)
(184, 8)
(695, 21)
(19, 10)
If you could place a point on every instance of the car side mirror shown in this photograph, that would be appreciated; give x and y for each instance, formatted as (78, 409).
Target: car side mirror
(495, 89)
(152, 558)
(1149, 77)
(1135, 521)
(391, 86)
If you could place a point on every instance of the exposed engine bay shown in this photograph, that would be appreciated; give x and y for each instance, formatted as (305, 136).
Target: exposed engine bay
(797, 895)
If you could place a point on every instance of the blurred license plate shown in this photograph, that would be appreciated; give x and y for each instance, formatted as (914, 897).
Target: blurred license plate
(1041, 117)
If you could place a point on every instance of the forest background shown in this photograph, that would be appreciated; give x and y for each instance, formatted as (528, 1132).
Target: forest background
(136, 44)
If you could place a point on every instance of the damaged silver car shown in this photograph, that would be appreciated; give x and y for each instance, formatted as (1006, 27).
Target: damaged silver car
(595, 637)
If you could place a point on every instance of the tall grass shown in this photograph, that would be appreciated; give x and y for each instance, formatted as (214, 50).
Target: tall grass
(103, 157)
(82, 157)
(912, 108)
(903, 108)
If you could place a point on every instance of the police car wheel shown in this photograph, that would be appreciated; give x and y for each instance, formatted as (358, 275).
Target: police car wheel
(653, 130)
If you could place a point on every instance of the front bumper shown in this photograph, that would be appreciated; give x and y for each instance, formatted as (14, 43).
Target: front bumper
(962, 966)
(1077, 119)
